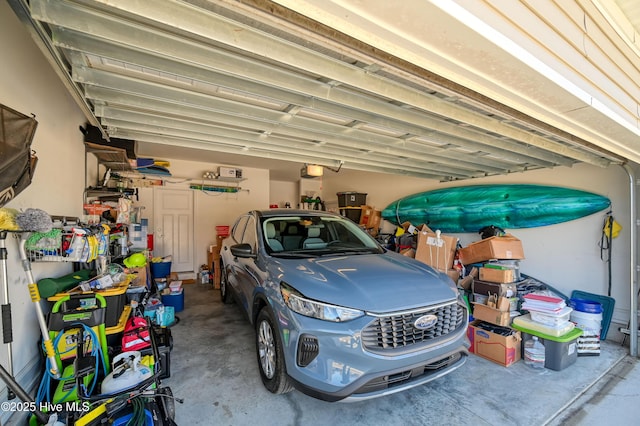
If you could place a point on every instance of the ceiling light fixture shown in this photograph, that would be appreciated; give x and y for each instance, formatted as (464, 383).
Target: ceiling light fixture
(310, 171)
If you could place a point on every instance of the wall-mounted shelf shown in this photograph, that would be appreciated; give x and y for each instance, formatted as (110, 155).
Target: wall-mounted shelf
(102, 193)
(225, 179)
(110, 157)
(118, 166)
(134, 174)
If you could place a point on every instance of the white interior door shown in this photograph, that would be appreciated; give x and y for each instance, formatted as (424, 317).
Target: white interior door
(173, 223)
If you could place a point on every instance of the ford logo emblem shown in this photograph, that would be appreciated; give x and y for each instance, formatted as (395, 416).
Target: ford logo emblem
(425, 322)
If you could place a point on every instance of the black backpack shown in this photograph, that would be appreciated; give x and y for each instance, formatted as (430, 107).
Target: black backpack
(491, 231)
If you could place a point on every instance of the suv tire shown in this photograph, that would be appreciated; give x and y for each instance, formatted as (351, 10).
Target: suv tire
(225, 294)
(270, 355)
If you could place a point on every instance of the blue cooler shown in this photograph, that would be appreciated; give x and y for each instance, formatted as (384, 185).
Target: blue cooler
(174, 299)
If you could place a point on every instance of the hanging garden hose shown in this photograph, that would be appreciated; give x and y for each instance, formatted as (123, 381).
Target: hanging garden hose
(610, 230)
(44, 390)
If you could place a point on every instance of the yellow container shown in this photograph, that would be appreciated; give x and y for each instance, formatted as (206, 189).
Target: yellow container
(115, 296)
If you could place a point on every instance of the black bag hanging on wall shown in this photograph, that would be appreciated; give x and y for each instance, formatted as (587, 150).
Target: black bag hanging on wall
(17, 162)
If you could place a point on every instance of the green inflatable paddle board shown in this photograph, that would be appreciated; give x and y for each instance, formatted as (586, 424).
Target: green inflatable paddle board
(471, 208)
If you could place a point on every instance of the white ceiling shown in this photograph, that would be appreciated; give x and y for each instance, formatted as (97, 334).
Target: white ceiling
(395, 87)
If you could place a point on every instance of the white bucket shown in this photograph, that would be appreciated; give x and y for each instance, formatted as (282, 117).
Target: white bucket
(589, 323)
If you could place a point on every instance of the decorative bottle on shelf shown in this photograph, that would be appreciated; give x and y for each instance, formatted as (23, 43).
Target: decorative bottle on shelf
(534, 352)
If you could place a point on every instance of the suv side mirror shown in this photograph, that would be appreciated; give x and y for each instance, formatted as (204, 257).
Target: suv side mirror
(243, 250)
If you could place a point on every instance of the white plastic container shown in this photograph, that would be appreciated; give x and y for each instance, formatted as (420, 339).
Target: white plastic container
(590, 323)
(534, 352)
(125, 375)
(552, 319)
(525, 321)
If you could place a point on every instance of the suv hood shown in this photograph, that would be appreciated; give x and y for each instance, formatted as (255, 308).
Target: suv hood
(370, 282)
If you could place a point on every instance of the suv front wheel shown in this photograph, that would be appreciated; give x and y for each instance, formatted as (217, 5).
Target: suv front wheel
(270, 355)
(225, 294)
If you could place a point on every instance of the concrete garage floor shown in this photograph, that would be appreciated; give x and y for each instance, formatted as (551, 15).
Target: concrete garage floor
(213, 368)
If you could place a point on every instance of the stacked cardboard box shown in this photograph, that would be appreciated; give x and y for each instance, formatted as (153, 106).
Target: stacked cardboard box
(430, 247)
(498, 268)
(507, 247)
(501, 345)
(490, 333)
(496, 310)
(370, 219)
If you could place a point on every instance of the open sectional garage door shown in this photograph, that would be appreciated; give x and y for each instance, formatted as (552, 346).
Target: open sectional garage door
(275, 79)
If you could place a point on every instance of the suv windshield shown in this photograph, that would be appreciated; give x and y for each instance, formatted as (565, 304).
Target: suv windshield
(315, 235)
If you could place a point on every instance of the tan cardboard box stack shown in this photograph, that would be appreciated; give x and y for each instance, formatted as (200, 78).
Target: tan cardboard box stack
(495, 298)
(499, 269)
(490, 335)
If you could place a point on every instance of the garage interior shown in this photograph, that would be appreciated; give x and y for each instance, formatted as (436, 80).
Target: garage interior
(389, 98)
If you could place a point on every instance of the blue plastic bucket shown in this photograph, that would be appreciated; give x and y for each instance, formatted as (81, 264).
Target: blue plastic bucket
(160, 269)
(587, 316)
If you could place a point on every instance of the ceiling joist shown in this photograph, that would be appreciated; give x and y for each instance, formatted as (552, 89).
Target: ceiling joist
(187, 74)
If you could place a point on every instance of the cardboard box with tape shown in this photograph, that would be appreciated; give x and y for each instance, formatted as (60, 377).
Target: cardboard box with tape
(507, 247)
(501, 345)
(435, 249)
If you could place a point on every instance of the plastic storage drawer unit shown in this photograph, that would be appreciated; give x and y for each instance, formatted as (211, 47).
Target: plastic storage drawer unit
(559, 352)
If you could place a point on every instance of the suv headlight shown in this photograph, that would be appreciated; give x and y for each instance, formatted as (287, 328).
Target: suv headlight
(311, 308)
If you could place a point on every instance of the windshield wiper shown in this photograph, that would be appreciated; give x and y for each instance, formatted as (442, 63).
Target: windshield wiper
(351, 251)
(294, 254)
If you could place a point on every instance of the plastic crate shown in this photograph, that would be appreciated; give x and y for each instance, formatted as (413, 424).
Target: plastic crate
(160, 269)
(352, 213)
(174, 299)
(351, 199)
(114, 334)
(559, 352)
(115, 297)
(222, 230)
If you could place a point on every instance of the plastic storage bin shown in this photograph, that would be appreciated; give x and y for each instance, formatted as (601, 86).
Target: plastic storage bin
(351, 199)
(160, 269)
(553, 320)
(115, 297)
(525, 321)
(352, 213)
(174, 299)
(114, 334)
(559, 352)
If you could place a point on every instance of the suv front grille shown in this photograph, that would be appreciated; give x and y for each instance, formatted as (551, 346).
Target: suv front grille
(398, 332)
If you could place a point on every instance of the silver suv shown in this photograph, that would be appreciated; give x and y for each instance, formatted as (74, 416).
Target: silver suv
(336, 315)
